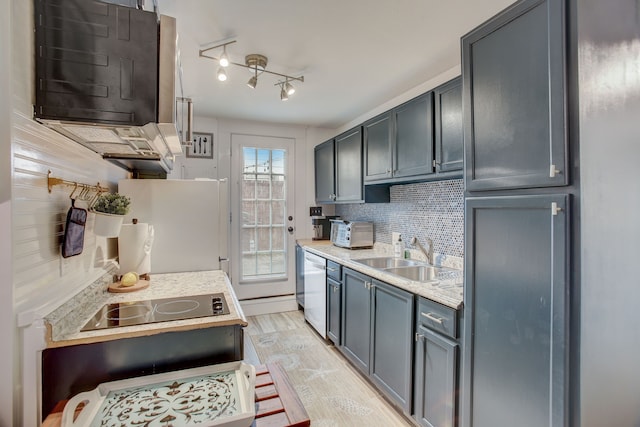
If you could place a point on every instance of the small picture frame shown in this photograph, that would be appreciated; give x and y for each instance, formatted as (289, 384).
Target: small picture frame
(201, 146)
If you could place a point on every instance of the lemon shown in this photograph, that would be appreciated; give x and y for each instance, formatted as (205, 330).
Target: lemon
(129, 279)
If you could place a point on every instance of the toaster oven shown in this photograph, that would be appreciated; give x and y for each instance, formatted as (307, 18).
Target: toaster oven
(351, 234)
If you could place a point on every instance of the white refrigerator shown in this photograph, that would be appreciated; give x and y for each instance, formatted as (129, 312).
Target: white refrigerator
(190, 221)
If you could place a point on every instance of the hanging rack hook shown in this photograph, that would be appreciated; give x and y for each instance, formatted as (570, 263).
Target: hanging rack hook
(75, 188)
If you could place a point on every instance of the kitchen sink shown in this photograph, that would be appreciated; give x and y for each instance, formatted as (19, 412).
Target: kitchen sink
(417, 273)
(387, 262)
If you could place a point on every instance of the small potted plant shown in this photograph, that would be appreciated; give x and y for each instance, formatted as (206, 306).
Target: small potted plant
(110, 210)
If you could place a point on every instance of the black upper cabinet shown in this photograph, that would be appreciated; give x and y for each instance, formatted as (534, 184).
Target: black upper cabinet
(398, 144)
(96, 62)
(324, 158)
(514, 95)
(448, 126)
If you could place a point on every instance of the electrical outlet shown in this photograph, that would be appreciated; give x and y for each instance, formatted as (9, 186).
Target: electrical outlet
(315, 211)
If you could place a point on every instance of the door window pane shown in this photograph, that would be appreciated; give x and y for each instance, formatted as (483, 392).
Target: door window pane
(263, 238)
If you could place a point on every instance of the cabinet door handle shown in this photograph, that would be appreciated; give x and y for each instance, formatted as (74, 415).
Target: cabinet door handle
(369, 285)
(419, 337)
(335, 288)
(332, 269)
(433, 318)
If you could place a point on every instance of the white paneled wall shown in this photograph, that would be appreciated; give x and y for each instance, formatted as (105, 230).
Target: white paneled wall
(39, 271)
(40, 275)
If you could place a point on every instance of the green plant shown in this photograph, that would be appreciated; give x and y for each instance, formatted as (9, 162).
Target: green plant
(115, 204)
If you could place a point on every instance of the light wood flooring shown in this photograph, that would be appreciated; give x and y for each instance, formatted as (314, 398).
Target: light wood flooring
(331, 389)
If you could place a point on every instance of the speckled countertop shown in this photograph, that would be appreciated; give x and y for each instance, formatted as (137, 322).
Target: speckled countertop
(64, 324)
(447, 291)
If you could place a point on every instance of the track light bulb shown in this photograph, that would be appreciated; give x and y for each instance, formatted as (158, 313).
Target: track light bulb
(224, 58)
(283, 94)
(222, 74)
(253, 81)
(288, 87)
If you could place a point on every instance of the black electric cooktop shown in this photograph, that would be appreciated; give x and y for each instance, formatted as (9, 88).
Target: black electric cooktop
(157, 310)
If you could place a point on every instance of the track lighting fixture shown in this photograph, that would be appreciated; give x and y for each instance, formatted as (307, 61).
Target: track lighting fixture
(257, 64)
(289, 88)
(222, 74)
(224, 58)
(284, 96)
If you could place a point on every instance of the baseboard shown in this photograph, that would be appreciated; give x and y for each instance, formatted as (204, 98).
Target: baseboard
(255, 307)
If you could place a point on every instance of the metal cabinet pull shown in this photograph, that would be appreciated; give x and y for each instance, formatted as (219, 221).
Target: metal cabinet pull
(419, 337)
(433, 318)
(332, 269)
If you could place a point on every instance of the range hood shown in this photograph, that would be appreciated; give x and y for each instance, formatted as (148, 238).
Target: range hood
(150, 147)
(105, 78)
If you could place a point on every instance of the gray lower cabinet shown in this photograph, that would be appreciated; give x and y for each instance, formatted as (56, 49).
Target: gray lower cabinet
(300, 275)
(391, 346)
(377, 325)
(334, 302)
(436, 366)
(356, 318)
(516, 314)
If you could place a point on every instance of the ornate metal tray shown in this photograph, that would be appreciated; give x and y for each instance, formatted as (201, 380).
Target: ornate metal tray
(215, 395)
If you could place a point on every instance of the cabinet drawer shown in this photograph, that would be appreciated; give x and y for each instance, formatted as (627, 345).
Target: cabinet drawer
(334, 270)
(437, 317)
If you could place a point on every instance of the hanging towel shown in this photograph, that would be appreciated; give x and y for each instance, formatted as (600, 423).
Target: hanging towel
(74, 231)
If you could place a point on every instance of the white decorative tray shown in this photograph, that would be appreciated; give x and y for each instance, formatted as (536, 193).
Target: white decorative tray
(215, 395)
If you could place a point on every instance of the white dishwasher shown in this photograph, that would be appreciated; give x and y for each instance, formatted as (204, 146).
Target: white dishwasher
(315, 292)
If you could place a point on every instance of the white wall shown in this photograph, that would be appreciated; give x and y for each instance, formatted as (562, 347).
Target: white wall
(7, 328)
(609, 67)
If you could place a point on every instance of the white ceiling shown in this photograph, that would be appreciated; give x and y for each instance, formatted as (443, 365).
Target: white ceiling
(354, 54)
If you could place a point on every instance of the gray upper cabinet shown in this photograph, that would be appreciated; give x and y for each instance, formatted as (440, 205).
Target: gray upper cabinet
(378, 148)
(398, 145)
(338, 169)
(325, 172)
(413, 142)
(449, 138)
(349, 166)
(515, 310)
(513, 68)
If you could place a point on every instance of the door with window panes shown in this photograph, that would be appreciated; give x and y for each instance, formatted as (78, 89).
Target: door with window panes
(263, 241)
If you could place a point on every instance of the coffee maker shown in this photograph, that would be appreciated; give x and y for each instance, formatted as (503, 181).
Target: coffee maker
(320, 223)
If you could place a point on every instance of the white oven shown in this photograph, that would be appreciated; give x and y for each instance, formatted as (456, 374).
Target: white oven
(315, 292)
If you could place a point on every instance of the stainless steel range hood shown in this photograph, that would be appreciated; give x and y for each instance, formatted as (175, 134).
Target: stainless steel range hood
(113, 90)
(151, 147)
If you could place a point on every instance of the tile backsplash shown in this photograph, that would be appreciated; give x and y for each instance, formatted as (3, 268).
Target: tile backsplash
(428, 209)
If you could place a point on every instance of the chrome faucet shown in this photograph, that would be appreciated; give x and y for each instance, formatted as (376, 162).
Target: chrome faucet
(427, 253)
